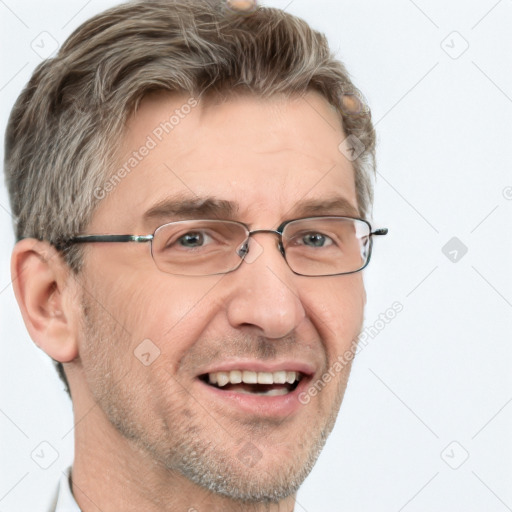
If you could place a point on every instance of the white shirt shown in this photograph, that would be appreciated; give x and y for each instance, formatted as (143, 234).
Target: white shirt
(64, 500)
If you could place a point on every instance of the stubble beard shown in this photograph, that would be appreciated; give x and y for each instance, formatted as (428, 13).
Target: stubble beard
(183, 447)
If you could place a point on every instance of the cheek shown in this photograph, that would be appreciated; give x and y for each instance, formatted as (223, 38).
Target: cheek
(172, 312)
(337, 310)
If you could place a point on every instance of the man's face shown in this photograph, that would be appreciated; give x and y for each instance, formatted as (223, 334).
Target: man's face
(270, 158)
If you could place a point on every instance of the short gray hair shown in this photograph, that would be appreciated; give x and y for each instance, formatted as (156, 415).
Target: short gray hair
(60, 141)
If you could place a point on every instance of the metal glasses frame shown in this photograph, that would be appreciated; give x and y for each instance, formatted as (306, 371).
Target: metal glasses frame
(81, 239)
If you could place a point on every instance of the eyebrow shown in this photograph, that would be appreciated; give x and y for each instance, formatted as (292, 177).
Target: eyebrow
(331, 206)
(190, 207)
(212, 207)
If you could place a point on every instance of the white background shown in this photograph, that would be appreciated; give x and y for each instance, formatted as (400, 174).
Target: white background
(434, 386)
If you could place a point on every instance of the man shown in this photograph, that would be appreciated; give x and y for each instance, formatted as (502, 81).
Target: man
(191, 182)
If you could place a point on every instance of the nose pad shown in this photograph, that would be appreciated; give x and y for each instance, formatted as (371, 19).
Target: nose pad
(250, 250)
(243, 249)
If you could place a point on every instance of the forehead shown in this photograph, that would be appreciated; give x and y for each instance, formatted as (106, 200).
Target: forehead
(264, 155)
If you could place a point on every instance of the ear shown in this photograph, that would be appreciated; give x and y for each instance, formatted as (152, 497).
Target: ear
(46, 293)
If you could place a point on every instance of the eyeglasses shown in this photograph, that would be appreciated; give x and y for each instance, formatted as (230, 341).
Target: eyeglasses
(314, 246)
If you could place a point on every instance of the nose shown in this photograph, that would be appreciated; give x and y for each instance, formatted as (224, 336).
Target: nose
(265, 295)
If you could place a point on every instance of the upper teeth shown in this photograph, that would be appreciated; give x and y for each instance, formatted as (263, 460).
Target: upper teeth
(249, 377)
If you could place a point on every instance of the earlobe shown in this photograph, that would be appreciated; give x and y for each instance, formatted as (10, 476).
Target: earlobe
(43, 287)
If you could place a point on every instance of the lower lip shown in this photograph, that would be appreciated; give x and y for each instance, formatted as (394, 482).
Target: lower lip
(279, 406)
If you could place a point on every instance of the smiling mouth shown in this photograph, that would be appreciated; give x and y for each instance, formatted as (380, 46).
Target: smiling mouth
(254, 383)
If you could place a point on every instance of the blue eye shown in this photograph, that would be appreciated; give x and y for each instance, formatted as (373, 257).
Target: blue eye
(194, 239)
(316, 240)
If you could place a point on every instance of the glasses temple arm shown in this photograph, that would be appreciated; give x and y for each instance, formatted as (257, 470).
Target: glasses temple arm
(110, 238)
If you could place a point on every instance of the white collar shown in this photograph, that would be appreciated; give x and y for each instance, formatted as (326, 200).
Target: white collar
(65, 500)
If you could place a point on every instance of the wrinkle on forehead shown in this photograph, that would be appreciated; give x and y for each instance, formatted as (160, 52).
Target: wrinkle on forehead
(265, 154)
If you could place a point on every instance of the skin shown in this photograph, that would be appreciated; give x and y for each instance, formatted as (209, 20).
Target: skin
(149, 437)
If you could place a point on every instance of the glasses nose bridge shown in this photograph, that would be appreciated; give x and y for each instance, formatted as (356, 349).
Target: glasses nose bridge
(275, 232)
(272, 231)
